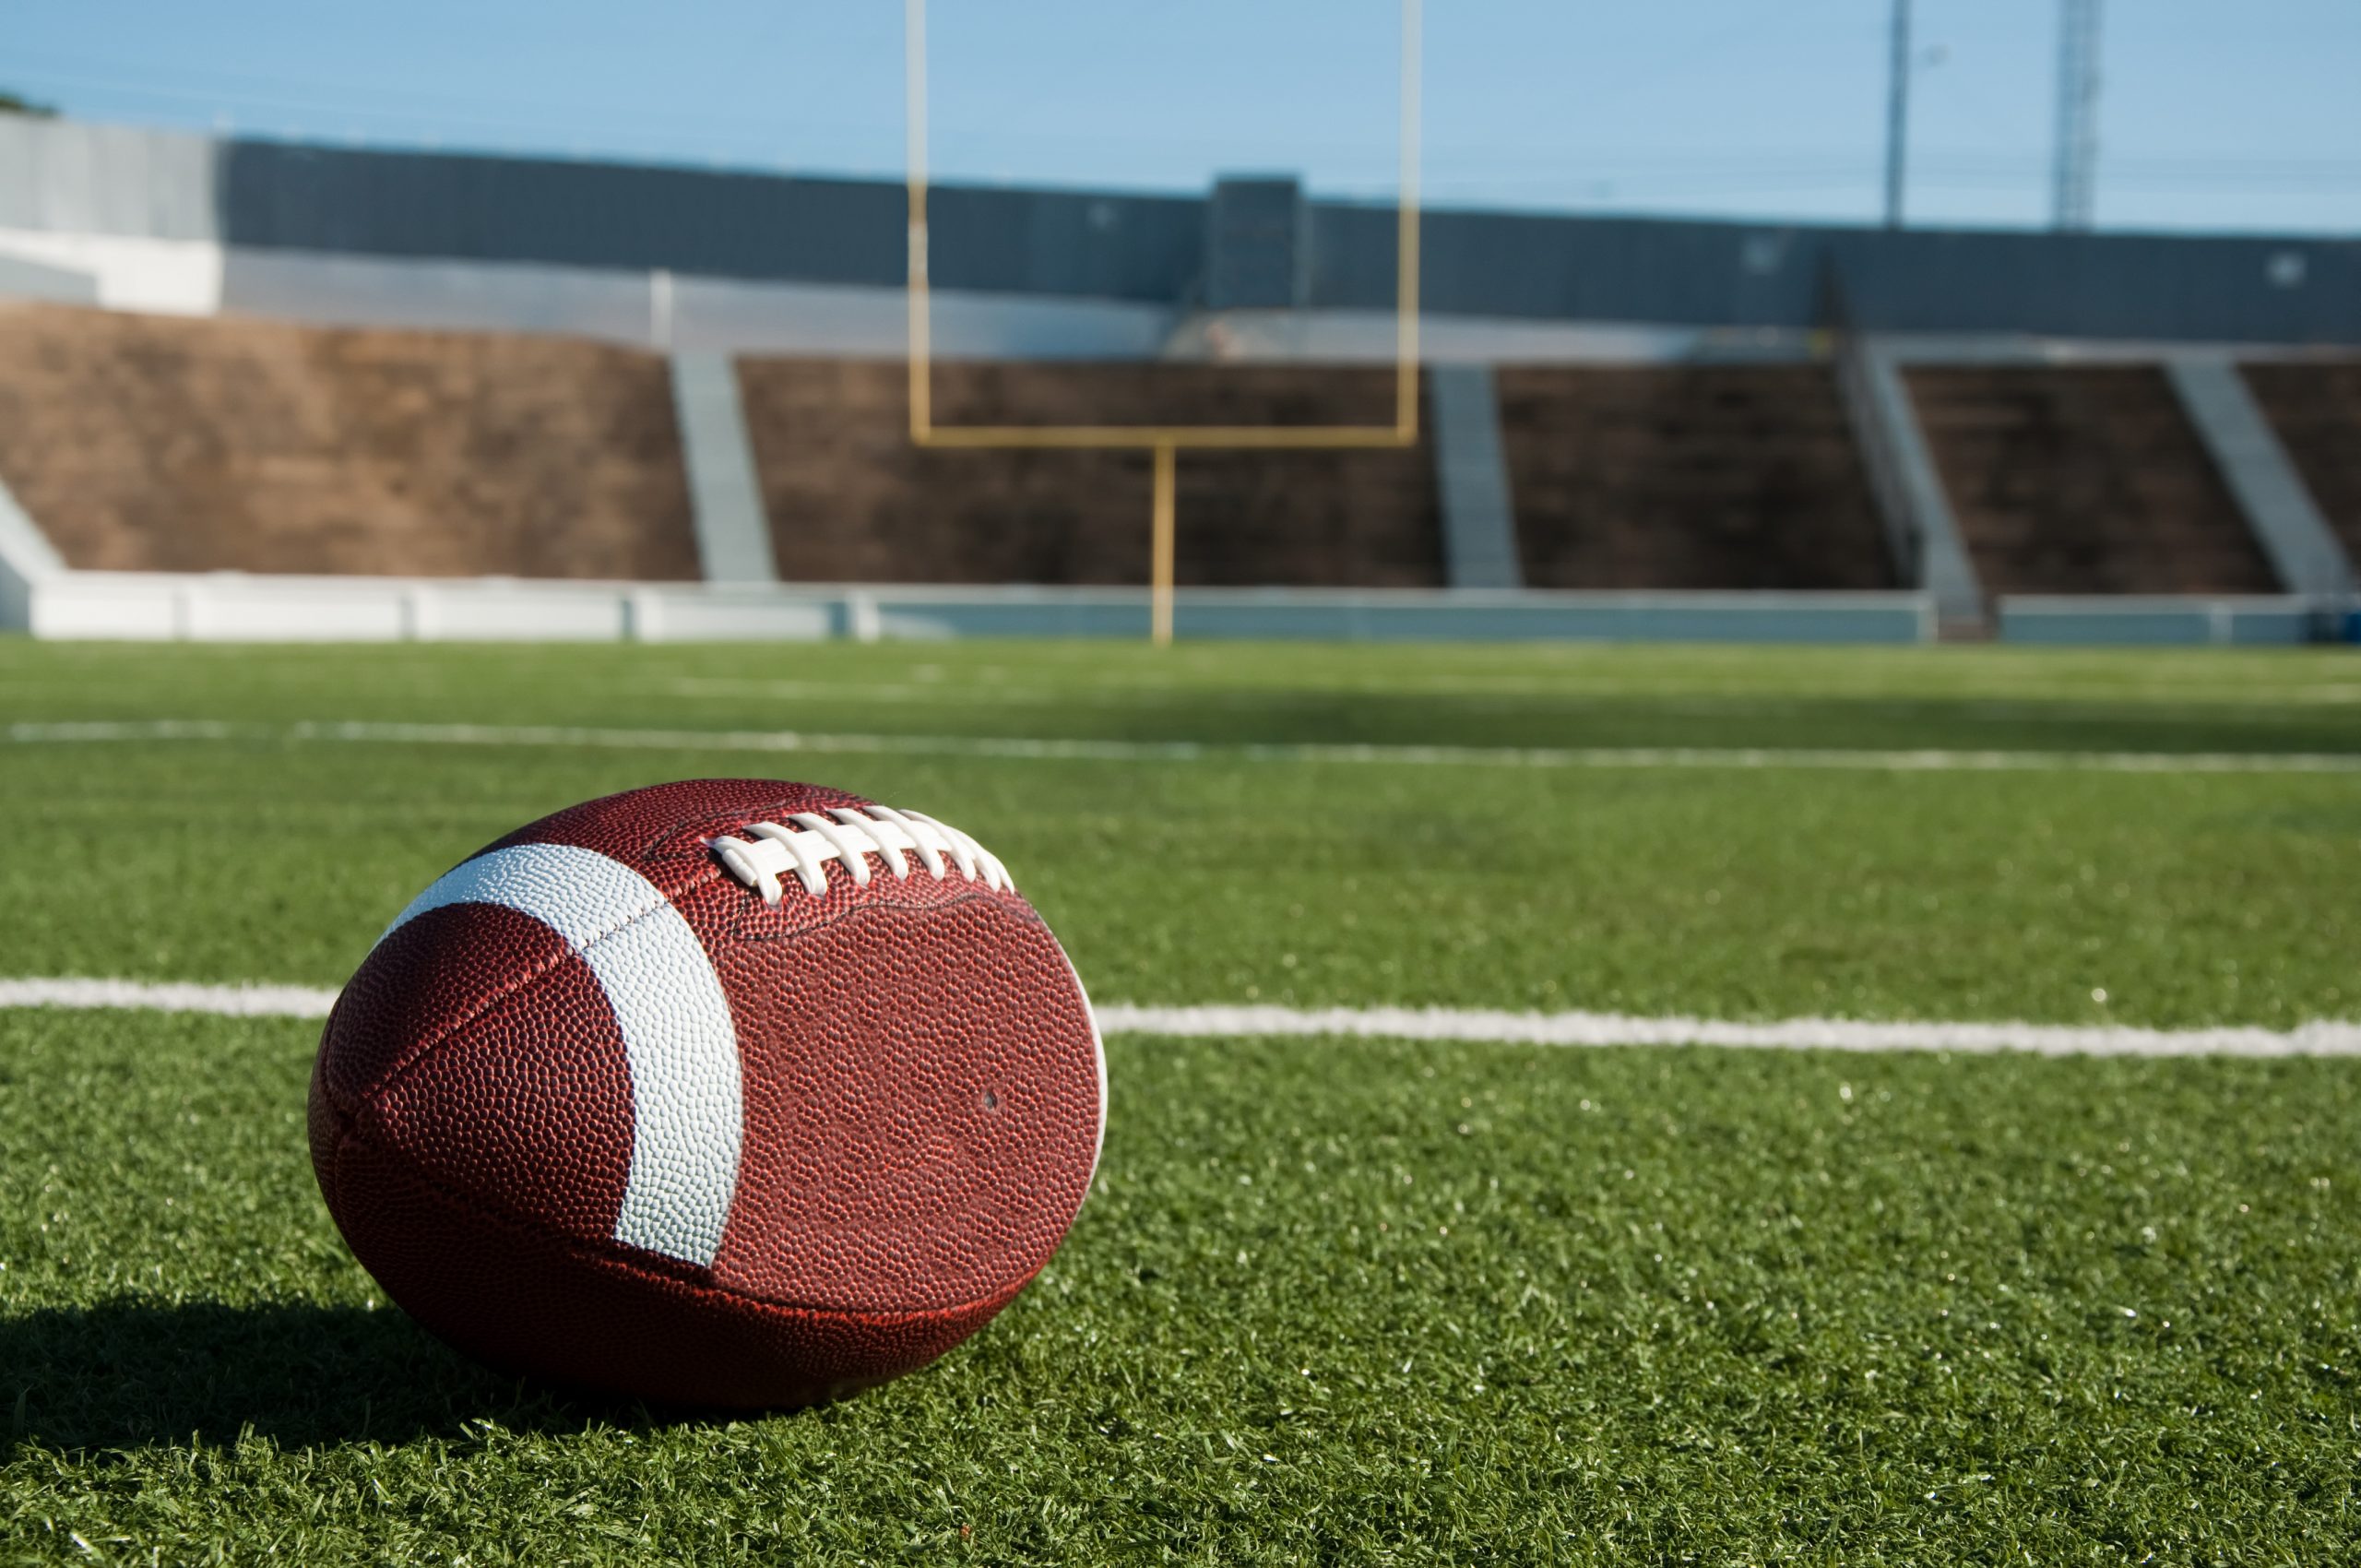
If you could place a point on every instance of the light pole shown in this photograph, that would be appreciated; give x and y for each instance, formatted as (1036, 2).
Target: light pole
(2074, 178)
(1897, 112)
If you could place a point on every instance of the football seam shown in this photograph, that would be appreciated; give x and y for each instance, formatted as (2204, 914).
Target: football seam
(973, 891)
(541, 969)
(607, 1254)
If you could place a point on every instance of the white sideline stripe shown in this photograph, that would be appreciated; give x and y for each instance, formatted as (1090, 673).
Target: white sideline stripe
(688, 1117)
(1934, 760)
(2324, 1038)
(2318, 1038)
(171, 996)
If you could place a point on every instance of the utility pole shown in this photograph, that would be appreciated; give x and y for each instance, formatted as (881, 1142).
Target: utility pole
(1897, 112)
(2074, 178)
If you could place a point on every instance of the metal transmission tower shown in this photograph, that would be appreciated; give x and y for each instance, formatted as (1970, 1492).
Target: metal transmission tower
(2074, 177)
(1897, 112)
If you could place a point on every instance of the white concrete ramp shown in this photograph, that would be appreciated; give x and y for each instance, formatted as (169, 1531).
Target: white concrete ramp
(724, 498)
(1472, 472)
(2303, 550)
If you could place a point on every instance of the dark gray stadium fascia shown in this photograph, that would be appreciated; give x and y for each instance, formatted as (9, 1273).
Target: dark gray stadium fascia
(787, 228)
(1146, 248)
(1722, 273)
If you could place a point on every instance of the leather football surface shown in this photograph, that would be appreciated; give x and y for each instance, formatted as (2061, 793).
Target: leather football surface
(607, 1106)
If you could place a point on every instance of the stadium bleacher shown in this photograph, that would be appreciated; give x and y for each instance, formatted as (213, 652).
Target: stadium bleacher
(2083, 479)
(159, 443)
(851, 500)
(177, 445)
(1688, 477)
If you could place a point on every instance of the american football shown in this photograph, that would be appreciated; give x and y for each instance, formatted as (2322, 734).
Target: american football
(727, 1093)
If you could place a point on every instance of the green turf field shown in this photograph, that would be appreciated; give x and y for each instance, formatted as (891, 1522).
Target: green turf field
(1332, 1300)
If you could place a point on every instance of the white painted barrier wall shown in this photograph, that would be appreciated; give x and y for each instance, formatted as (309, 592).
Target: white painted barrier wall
(234, 607)
(2147, 621)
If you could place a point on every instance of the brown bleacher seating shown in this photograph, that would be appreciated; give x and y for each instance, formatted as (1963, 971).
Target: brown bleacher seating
(2316, 408)
(164, 444)
(1688, 477)
(2082, 479)
(850, 499)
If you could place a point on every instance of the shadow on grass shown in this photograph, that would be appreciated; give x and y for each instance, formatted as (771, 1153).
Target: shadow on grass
(129, 1374)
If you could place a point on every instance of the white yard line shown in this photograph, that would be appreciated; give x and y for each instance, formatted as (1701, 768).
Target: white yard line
(1874, 761)
(2319, 1038)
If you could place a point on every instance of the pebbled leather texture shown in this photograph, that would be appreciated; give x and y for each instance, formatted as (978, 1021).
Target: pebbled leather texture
(917, 1091)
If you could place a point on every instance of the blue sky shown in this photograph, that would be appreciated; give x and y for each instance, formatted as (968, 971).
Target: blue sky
(2214, 113)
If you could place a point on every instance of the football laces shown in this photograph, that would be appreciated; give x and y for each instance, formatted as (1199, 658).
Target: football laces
(848, 837)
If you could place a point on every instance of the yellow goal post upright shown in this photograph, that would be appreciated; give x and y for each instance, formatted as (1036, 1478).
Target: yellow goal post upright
(1164, 441)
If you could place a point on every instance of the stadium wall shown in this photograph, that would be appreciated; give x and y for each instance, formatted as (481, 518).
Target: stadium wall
(169, 200)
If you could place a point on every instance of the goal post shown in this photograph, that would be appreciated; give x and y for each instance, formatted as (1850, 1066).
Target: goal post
(1164, 442)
